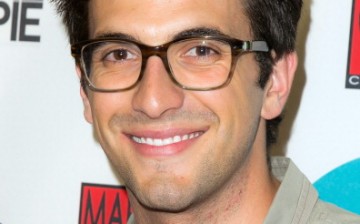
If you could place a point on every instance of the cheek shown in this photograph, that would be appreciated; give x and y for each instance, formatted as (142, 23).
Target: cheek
(239, 104)
(104, 107)
(245, 87)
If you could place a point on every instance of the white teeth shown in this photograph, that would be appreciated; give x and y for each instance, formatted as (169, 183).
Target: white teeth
(185, 137)
(136, 139)
(157, 142)
(166, 141)
(149, 140)
(177, 139)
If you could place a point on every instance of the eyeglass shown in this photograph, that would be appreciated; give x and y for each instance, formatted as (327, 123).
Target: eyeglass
(195, 63)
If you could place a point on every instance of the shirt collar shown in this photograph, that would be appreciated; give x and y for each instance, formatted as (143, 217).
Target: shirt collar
(295, 197)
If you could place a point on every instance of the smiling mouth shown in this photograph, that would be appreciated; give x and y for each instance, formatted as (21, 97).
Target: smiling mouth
(165, 141)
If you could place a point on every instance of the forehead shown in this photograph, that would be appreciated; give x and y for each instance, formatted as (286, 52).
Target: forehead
(157, 21)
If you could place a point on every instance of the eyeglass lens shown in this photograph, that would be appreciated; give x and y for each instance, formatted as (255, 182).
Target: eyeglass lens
(194, 63)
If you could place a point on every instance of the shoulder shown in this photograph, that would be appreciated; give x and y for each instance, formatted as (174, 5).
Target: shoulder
(328, 213)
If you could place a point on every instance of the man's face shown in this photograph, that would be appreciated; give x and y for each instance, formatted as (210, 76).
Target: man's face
(204, 136)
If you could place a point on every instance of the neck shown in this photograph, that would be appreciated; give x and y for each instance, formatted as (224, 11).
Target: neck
(246, 198)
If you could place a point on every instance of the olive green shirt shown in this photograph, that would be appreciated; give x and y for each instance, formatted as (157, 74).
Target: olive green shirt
(297, 201)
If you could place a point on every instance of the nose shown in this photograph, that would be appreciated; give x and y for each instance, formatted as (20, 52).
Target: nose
(156, 94)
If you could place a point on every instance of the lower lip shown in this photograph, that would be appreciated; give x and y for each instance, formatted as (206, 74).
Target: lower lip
(164, 151)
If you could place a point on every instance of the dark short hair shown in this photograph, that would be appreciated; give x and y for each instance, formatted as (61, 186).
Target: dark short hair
(274, 21)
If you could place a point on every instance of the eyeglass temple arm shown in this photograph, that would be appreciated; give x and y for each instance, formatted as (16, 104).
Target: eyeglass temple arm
(260, 46)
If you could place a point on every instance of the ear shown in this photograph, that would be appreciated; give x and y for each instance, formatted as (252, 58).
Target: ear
(278, 87)
(85, 99)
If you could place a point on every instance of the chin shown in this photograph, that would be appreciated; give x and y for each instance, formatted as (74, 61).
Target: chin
(165, 197)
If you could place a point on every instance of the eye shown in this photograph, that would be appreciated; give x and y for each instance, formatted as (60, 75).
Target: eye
(119, 55)
(201, 51)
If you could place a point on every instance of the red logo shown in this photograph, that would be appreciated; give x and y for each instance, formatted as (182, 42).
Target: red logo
(353, 74)
(103, 204)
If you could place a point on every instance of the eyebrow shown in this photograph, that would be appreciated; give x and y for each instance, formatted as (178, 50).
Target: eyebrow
(192, 32)
(117, 35)
(200, 31)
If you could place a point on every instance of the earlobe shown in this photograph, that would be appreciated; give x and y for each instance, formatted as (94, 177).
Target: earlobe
(85, 99)
(278, 87)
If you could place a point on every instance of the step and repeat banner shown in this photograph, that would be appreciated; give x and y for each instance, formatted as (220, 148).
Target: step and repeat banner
(52, 170)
